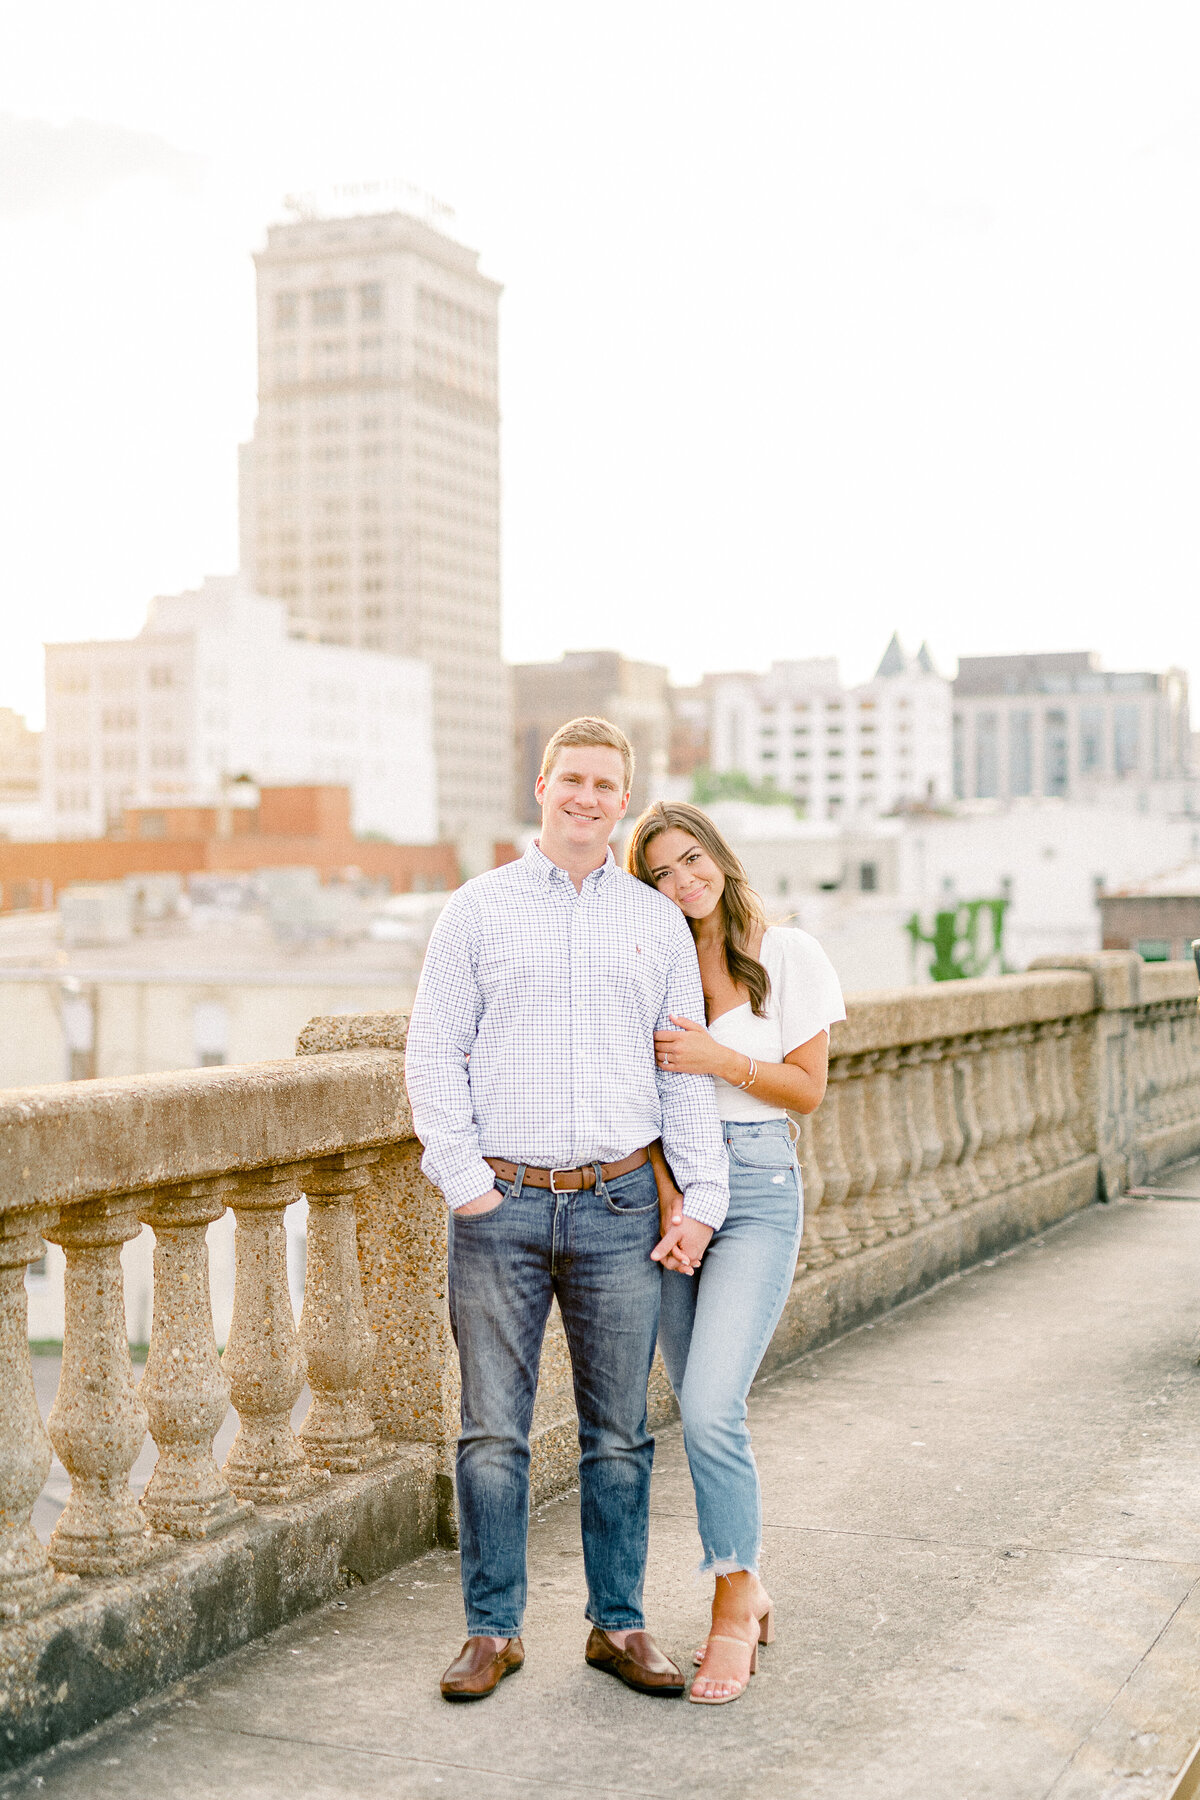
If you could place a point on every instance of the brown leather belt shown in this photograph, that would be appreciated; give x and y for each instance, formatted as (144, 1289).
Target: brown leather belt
(566, 1181)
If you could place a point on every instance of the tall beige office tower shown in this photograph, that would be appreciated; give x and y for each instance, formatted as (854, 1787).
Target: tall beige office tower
(370, 492)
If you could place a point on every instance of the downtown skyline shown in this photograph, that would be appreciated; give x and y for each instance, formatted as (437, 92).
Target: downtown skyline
(812, 327)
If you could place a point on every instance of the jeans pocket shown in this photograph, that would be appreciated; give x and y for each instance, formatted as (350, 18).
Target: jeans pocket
(470, 1220)
(761, 1149)
(634, 1193)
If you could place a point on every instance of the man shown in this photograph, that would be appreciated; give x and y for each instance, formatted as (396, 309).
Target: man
(535, 1092)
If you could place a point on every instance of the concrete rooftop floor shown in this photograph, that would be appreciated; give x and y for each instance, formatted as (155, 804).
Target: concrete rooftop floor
(982, 1533)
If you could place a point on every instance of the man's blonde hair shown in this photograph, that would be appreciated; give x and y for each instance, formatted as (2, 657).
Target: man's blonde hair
(590, 731)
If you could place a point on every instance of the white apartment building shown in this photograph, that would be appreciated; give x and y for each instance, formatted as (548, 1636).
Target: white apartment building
(840, 753)
(216, 685)
(370, 492)
(1059, 727)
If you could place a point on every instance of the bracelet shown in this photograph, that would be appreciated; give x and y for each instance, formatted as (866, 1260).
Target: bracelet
(751, 1073)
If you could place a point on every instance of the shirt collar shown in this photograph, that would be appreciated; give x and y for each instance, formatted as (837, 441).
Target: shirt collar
(540, 865)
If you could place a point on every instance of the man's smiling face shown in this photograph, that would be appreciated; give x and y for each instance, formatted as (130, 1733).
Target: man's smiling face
(581, 799)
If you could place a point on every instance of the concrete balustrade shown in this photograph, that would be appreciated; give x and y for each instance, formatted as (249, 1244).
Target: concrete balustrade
(958, 1119)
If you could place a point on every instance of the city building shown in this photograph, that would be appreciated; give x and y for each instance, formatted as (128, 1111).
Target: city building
(839, 753)
(20, 758)
(1058, 726)
(370, 492)
(597, 684)
(251, 829)
(215, 687)
(1160, 918)
(21, 812)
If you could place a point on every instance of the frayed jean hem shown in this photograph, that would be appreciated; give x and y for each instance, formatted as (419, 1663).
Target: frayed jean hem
(725, 1565)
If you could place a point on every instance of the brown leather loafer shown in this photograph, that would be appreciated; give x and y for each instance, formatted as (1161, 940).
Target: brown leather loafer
(479, 1668)
(641, 1665)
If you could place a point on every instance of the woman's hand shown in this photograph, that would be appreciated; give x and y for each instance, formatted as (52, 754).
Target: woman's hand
(689, 1049)
(682, 1245)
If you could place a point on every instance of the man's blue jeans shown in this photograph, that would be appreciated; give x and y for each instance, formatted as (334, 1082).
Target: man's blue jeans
(591, 1251)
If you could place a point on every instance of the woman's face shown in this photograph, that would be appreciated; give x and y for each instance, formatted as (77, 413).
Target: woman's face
(685, 872)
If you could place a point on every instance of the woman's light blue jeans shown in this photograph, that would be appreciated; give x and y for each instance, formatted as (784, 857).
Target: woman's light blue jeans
(714, 1330)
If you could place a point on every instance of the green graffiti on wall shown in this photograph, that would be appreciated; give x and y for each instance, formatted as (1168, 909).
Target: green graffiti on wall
(959, 940)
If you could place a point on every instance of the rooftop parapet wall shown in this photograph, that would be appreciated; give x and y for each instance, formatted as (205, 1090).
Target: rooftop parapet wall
(957, 1120)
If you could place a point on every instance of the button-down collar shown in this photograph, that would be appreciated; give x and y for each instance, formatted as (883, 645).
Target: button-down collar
(546, 870)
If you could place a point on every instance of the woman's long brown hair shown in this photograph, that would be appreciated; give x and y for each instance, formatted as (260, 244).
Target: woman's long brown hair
(742, 909)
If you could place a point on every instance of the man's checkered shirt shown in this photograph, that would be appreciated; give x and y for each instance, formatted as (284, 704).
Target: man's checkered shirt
(532, 1034)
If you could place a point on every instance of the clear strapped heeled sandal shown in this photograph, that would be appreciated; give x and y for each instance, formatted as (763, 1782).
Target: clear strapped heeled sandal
(736, 1682)
(766, 1633)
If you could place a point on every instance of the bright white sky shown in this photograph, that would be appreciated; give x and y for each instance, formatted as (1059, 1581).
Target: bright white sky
(821, 318)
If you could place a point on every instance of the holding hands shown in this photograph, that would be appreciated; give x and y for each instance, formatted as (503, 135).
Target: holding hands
(683, 1240)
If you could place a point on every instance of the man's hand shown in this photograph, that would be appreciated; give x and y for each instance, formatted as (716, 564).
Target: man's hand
(682, 1246)
(486, 1203)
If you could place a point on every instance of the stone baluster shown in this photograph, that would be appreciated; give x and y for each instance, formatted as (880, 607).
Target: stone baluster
(925, 1131)
(1060, 1149)
(1170, 1076)
(962, 1060)
(263, 1358)
(886, 1195)
(184, 1388)
(981, 1069)
(1042, 1086)
(951, 1180)
(339, 1432)
(831, 1218)
(814, 1252)
(1146, 1084)
(27, 1583)
(98, 1422)
(932, 1140)
(1182, 1099)
(1080, 1131)
(1024, 1112)
(1153, 1037)
(911, 1141)
(998, 1051)
(857, 1146)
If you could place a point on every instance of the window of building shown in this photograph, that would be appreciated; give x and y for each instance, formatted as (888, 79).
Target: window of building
(328, 306)
(1126, 735)
(370, 300)
(1091, 739)
(161, 675)
(959, 753)
(152, 825)
(868, 877)
(287, 311)
(119, 718)
(1056, 766)
(1020, 752)
(987, 758)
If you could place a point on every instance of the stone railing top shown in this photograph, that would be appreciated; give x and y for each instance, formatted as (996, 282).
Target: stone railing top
(1122, 979)
(78, 1140)
(344, 1090)
(899, 1016)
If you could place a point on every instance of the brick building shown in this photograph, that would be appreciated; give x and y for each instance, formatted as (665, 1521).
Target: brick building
(283, 827)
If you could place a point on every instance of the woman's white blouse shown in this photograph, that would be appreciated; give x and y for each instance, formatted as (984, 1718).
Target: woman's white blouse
(805, 997)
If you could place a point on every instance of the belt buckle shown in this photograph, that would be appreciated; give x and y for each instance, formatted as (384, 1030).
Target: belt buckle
(554, 1172)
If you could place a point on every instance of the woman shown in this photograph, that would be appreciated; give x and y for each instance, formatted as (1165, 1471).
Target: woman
(771, 995)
